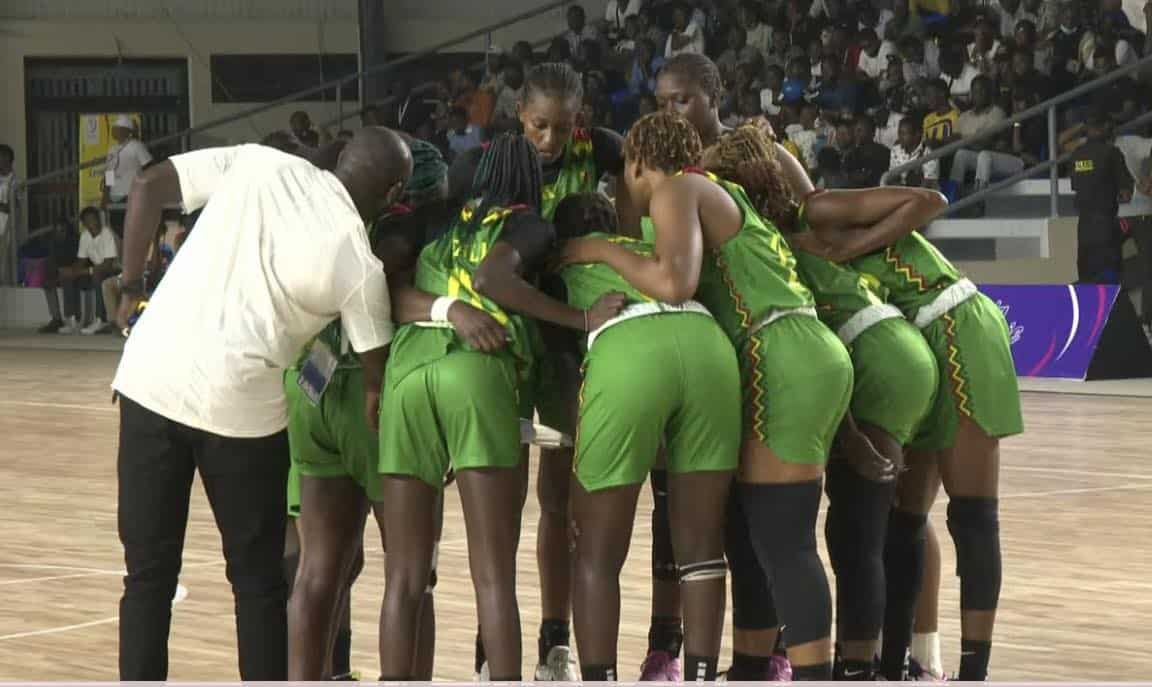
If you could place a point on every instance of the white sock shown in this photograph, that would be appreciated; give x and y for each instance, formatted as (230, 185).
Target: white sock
(926, 650)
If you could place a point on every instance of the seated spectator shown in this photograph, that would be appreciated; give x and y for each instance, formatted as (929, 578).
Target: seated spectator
(475, 102)
(836, 91)
(737, 53)
(96, 258)
(911, 146)
(958, 74)
(781, 48)
(942, 118)
(759, 34)
(917, 64)
(558, 50)
(1108, 38)
(645, 65)
(616, 14)
(892, 81)
(988, 157)
(869, 17)
(650, 29)
(1025, 38)
(866, 161)
(1026, 76)
(504, 112)
(771, 93)
(1065, 42)
(462, 134)
(301, 125)
(522, 52)
(686, 37)
(1011, 12)
(578, 32)
(827, 173)
(626, 44)
(798, 85)
(888, 126)
(56, 246)
(843, 136)
(982, 50)
(1119, 99)
(903, 24)
(874, 54)
(804, 134)
(1029, 138)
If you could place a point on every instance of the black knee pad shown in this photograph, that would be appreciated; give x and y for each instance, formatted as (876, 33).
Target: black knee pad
(663, 558)
(974, 524)
(752, 604)
(854, 530)
(782, 522)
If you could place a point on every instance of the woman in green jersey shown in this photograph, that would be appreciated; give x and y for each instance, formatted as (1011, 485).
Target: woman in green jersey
(895, 377)
(656, 374)
(446, 405)
(711, 244)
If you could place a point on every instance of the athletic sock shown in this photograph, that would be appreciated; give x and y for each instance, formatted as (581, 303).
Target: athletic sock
(700, 668)
(481, 658)
(925, 649)
(748, 668)
(552, 633)
(848, 670)
(342, 652)
(974, 655)
(666, 633)
(820, 672)
(598, 673)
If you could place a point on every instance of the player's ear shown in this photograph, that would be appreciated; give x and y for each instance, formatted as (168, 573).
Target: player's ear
(395, 193)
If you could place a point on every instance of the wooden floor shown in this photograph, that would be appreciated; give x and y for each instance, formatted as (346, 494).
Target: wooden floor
(1076, 518)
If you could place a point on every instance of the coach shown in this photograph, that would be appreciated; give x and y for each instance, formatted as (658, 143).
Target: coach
(279, 251)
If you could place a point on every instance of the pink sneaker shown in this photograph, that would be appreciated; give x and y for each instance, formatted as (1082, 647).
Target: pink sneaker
(660, 666)
(780, 670)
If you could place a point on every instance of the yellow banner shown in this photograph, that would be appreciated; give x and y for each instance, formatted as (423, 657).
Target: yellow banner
(95, 140)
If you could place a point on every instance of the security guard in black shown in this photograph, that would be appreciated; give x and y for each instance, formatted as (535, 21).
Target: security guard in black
(1101, 181)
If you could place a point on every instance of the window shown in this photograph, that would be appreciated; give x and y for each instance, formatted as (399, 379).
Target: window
(260, 78)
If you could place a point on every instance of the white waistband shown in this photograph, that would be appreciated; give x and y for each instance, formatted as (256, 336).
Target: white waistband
(778, 314)
(643, 310)
(949, 298)
(434, 325)
(863, 319)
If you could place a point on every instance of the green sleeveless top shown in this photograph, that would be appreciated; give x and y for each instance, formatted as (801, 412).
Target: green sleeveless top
(578, 174)
(586, 283)
(840, 291)
(446, 268)
(912, 270)
(752, 275)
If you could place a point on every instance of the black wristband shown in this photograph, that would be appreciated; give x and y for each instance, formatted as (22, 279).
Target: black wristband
(132, 287)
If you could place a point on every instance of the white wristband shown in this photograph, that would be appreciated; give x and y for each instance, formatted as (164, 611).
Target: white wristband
(440, 308)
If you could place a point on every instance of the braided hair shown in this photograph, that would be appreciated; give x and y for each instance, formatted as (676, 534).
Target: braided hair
(663, 141)
(553, 79)
(747, 156)
(581, 213)
(700, 70)
(429, 173)
(509, 174)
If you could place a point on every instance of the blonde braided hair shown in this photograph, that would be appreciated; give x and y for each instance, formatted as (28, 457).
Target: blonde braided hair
(747, 156)
(664, 142)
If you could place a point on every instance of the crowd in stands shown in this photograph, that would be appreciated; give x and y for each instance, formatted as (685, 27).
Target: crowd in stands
(853, 88)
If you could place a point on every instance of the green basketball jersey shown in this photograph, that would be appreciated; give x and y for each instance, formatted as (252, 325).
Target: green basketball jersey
(586, 283)
(912, 270)
(578, 174)
(752, 275)
(840, 291)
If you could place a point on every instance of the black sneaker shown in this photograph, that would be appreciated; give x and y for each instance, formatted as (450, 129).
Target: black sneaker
(52, 327)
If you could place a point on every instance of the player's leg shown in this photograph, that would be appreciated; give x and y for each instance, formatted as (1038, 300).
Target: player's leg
(924, 658)
(782, 464)
(755, 627)
(665, 631)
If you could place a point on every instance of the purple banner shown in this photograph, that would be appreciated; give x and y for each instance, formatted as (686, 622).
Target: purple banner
(1054, 328)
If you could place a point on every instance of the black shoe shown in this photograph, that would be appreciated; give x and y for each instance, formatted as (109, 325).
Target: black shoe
(52, 327)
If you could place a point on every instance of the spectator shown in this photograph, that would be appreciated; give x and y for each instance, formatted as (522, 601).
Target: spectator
(462, 134)
(804, 134)
(869, 17)
(1026, 76)
(645, 65)
(958, 74)
(738, 53)
(802, 27)
(874, 54)
(836, 92)
(903, 24)
(686, 37)
(406, 108)
(476, 103)
(300, 124)
(912, 146)
(982, 50)
(169, 237)
(988, 157)
(843, 136)
(1024, 38)
(921, 61)
(781, 48)
(1136, 215)
(1109, 38)
(827, 173)
(558, 50)
(650, 29)
(1029, 139)
(867, 160)
(522, 52)
(95, 260)
(892, 83)
(626, 44)
(798, 85)
(578, 32)
(1010, 13)
(1118, 99)
(504, 112)
(56, 245)
(888, 126)
(1065, 42)
(124, 161)
(942, 118)
(7, 201)
(1003, 81)
(493, 80)
(772, 90)
(616, 13)
(759, 35)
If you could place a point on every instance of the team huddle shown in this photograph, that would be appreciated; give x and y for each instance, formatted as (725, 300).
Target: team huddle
(720, 330)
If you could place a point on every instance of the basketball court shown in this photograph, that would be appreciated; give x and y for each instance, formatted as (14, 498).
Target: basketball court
(1076, 520)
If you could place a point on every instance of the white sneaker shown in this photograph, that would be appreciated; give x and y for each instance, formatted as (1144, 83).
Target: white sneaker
(71, 326)
(94, 328)
(483, 675)
(559, 667)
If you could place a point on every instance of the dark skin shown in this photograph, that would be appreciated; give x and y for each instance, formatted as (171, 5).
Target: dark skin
(491, 497)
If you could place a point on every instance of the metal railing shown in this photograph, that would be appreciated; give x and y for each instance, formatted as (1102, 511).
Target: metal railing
(1051, 164)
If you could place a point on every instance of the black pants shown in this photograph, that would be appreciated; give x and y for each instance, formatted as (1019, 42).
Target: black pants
(245, 480)
(1140, 229)
(1098, 256)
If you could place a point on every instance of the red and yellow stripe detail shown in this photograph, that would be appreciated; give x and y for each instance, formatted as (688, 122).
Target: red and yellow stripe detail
(955, 369)
(904, 269)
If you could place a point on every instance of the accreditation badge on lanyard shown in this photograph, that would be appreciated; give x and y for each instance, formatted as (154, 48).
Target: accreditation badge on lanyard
(316, 372)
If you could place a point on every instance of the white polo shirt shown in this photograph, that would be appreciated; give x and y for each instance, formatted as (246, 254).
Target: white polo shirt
(123, 163)
(278, 252)
(97, 248)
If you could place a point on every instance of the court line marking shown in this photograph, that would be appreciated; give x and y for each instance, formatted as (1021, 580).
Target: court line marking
(68, 406)
(87, 572)
(1069, 492)
(1071, 471)
(181, 595)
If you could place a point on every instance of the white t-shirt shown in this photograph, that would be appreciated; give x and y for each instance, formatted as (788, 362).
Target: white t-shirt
(695, 44)
(6, 186)
(874, 66)
(279, 252)
(961, 86)
(887, 134)
(1136, 151)
(124, 162)
(97, 248)
(618, 10)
